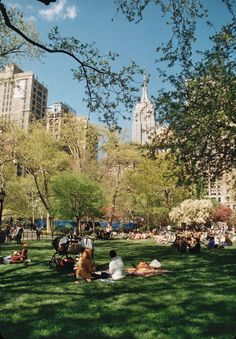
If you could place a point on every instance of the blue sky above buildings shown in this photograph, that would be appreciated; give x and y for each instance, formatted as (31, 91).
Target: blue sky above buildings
(91, 21)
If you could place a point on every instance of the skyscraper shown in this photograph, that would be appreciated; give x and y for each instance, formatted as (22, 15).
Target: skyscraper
(56, 115)
(144, 124)
(22, 97)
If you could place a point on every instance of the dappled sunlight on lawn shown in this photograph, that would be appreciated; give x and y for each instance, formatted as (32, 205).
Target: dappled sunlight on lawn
(196, 299)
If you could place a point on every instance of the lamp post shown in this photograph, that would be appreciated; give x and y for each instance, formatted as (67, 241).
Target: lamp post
(129, 190)
(2, 197)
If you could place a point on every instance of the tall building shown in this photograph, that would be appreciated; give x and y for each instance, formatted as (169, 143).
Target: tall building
(55, 117)
(223, 190)
(22, 97)
(144, 124)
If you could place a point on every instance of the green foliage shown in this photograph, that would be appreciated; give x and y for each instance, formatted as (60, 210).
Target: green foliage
(111, 94)
(118, 157)
(182, 18)
(77, 196)
(16, 199)
(42, 157)
(155, 188)
(199, 105)
(14, 47)
(80, 138)
(200, 110)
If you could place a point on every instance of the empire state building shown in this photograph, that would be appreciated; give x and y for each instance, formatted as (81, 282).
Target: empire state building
(144, 124)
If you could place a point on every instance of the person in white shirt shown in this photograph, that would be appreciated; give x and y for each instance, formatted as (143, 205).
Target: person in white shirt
(116, 266)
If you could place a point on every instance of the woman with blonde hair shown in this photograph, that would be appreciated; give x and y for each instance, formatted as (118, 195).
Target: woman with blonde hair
(86, 267)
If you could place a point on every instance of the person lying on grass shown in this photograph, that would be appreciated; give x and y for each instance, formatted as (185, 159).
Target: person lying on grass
(17, 257)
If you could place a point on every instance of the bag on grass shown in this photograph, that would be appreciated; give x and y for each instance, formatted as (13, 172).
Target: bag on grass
(155, 264)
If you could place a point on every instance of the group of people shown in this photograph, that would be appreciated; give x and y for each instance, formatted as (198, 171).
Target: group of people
(193, 241)
(187, 244)
(14, 232)
(86, 268)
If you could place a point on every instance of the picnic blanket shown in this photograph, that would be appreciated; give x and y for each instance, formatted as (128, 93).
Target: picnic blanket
(144, 269)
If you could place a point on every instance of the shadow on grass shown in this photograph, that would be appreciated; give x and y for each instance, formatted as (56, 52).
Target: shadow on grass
(195, 300)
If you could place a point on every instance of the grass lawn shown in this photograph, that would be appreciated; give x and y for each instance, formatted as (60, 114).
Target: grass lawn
(196, 300)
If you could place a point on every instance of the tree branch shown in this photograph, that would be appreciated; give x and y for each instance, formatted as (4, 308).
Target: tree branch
(47, 2)
(14, 50)
(49, 50)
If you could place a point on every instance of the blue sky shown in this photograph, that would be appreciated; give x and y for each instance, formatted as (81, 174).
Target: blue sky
(91, 21)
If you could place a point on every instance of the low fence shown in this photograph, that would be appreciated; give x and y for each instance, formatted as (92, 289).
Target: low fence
(31, 235)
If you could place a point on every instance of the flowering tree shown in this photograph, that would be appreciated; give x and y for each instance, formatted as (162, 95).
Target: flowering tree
(192, 212)
(221, 213)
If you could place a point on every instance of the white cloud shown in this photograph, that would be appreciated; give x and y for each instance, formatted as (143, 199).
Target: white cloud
(71, 12)
(31, 18)
(59, 11)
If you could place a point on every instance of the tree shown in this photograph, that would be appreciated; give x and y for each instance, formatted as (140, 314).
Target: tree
(107, 93)
(117, 157)
(41, 158)
(222, 213)
(77, 196)
(201, 112)
(192, 101)
(192, 212)
(80, 138)
(14, 47)
(155, 189)
(110, 93)
(198, 106)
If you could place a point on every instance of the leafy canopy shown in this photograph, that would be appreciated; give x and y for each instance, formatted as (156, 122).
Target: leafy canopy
(76, 196)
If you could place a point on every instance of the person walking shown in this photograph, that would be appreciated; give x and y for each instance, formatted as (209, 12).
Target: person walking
(19, 233)
(38, 233)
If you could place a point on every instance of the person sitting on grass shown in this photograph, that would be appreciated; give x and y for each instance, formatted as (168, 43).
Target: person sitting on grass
(196, 248)
(211, 243)
(228, 241)
(86, 267)
(116, 266)
(182, 245)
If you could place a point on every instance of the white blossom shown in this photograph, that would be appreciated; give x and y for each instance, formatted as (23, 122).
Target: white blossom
(192, 212)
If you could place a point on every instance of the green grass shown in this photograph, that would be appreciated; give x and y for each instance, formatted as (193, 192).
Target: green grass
(195, 300)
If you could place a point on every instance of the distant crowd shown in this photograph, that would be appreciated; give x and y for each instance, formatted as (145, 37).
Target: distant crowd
(184, 241)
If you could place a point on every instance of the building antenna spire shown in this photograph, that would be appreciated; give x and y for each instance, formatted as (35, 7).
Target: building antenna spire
(145, 93)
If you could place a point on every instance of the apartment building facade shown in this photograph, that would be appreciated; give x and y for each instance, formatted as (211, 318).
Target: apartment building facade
(22, 97)
(223, 190)
(56, 114)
